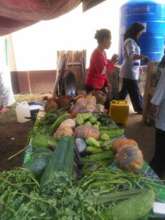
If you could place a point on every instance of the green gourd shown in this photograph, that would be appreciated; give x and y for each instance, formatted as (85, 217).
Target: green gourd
(61, 161)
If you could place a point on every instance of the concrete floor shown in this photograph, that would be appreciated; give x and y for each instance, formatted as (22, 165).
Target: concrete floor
(143, 134)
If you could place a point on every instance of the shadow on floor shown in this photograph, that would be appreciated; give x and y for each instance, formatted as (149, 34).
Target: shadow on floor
(143, 134)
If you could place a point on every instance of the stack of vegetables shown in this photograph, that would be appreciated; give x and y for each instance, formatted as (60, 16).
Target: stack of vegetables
(106, 194)
(93, 132)
(78, 166)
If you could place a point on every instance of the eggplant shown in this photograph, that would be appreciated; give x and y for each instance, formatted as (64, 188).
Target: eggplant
(80, 145)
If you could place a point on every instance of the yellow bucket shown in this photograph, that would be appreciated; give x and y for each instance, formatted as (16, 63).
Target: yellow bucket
(119, 111)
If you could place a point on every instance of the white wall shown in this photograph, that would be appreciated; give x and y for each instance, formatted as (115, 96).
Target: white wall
(36, 46)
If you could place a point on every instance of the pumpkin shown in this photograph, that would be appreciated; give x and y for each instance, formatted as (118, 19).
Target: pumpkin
(123, 142)
(130, 158)
(127, 145)
(63, 131)
(68, 123)
(91, 100)
(116, 143)
(87, 131)
(100, 108)
(84, 104)
(79, 106)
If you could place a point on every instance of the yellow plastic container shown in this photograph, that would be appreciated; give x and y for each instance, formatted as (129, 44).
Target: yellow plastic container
(119, 111)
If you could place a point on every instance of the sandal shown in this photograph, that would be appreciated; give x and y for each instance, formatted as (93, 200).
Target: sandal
(4, 109)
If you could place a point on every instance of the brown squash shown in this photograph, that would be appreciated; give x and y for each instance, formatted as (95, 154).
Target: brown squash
(120, 143)
(130, 158)
(127, 145)
(117, 142)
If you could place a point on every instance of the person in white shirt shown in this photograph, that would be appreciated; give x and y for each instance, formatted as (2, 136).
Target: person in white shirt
(158, 102)
(130, 69)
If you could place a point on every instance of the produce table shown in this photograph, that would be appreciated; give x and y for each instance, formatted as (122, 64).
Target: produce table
(80, 166)
(98, 143)
(144, 171)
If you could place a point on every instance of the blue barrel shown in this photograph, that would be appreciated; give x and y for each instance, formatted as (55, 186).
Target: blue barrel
(152, 14)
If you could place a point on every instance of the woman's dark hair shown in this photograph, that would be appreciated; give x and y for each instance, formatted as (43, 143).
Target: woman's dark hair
(102, 34)
(133, 31)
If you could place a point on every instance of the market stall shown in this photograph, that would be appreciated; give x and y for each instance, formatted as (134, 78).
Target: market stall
(79, 165)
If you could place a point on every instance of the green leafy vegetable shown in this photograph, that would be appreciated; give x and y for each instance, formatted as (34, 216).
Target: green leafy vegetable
(60, 161)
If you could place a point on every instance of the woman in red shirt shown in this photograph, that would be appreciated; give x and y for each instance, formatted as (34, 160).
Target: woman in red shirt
(100, 66)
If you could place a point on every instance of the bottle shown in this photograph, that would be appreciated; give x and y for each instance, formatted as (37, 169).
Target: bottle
(23, 112)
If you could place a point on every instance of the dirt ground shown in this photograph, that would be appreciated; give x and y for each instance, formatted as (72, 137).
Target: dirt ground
(14, 137)
(143, 134)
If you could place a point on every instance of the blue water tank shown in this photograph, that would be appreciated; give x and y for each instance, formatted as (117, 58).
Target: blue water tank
(152, 14)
